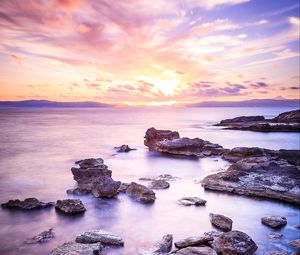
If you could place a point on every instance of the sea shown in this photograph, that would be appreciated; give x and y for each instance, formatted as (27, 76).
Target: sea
(40, 145)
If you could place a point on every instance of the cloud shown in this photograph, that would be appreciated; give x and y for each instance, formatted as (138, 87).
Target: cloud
(210, 4)
(259, 84)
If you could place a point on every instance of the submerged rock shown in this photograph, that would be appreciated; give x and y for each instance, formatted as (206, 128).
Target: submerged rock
(27, 204)
(187, 201)
(193, 241)
(43, 237)
(124, 148)
(274, 221)
(221, 221)
(196, 251)
(141, 193)
(159, 184)
(275, 235)
(162, 247)
(72, 248)
(235, 243)
(105, 187)
(70, 206)
(100, 236)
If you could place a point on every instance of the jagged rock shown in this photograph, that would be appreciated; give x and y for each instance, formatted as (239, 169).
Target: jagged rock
(274, 221)
(159, 184)
(221, 221)
(153, 135)
(187, 201)
(162, 247)
(79, 191)
(193, 241)
(72, 248)
(123, 187)
(124, 148)
(100, 236)
(292, 116)
(141, 193)
(27, 204)
(43, 237)
(235, 243)
(259, 176)
(70, 206)
(275, 235)
(196, 251)
(295, 243)
(105, 186)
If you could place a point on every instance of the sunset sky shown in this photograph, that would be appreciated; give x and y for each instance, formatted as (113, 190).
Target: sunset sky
(149, 52)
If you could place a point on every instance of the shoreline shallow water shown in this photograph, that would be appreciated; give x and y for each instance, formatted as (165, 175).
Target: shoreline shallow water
(39, 146)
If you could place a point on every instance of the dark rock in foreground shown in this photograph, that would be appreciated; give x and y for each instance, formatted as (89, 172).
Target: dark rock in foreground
(124, 148)
(70, 206)
(141, 193)
(187, 201)
(27, 204)
(43, 237)
(274, 221)
(105, 187)
(193, 241)
(162, 247)
(220, 221)
(100, 236)
(72, 248)
(235, 243)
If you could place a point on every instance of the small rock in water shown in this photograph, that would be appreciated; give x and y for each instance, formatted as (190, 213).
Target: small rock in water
(193, 240)
(28, 204)
(100, 236)
(124, 148)
(43, 237)
(72, 248)
(274, 221)
(159, 184)
(79, 191)
(275, 235)
(70, 206)
(221, 221)
(196, 251)
(295, 243)
(162, 247)
(187, 201)
(105, 186)
(141, 193)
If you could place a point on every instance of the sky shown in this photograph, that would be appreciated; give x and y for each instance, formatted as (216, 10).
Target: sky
(141, 52)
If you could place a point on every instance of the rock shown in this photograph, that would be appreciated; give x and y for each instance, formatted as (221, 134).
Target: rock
(261, 176)
(275, 235)
(90, 163)
(123, 187)
(105, 187)
(169, 142)
(70, 206)
(162, 247)
(141, 193)
(265, 127)
(159, 184)
(295, 243)
(240, 119)
(274, 221)
(196, 251)
(292, 116)
(162, 177)
(221, 221)
(235, 243)
(27, 204)
(79, 191)
(72, 248)
(239, 153)
(100, 236)
(124, 148)
(43, 237)
(193, 241)
(276, 253)
(187, 201)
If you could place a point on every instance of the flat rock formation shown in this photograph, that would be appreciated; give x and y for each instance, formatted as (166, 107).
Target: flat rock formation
(100, 236)
(70, 206)
(73, 248)
(43, 237)
(27, 204)
(193, 241)
(140, 193)
(220, 221)
(274, 221)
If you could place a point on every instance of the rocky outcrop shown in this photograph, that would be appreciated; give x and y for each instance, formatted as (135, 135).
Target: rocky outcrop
(261, 176)
(167, 141)
(141, 193)
(187, 201)
(274, 221)
(124, 148)
(193, 241)
(292, 116)
(220, 221)
(100, 236)
(235, 243)
(162, 247)
(241, 119)
(105, 187)
(70, 206)
(43, 237)
(123, 187)
(159, 184)
(78, 249)
(27, 204)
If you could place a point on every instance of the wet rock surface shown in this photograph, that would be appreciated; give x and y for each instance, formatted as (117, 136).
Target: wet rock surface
(295, 243)
(187, 201)
(123, 187)
(196, 251)
(70, 206)
(193, 241)
(124, 148)
(159, 184)
(73, 248)
(274, 221)
(100, 236)
(162, 247)
(105, 187)
(43, 237)
(141, 193)
(220, 221)
(27, 204)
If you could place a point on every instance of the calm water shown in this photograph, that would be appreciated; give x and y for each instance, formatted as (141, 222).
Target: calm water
(39, 146)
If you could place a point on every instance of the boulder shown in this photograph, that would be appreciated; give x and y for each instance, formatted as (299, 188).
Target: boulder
(141, 193)
(220, 221)
(196, 251)
(159, 184)
(124, 148)
(153, 135)
(235, 243)
(100, 236)
(193, 241)
(123, 187)
(187, 201)
(105, 187)
(72, 248)
(274, 221)
(27, 204)
(162, 247)
(70, 206)
(43, 237)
